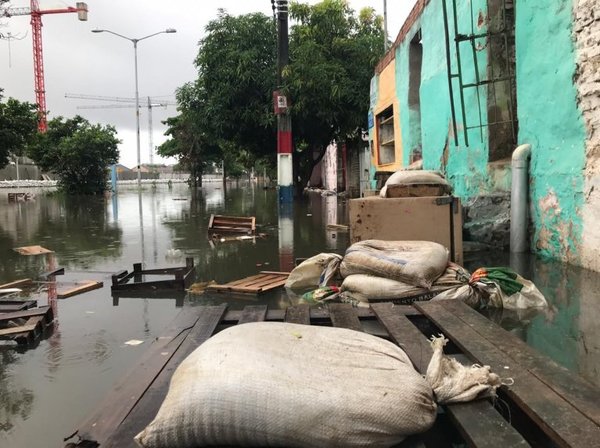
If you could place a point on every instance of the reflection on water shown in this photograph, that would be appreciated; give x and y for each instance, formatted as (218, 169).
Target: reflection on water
(46, 391)
(568, 331)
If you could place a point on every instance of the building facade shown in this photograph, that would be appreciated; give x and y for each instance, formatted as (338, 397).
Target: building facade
(472, 80)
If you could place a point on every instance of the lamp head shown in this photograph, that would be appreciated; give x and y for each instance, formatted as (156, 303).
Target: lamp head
(170, 30)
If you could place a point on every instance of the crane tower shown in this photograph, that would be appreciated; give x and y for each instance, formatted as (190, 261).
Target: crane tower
(38, 59)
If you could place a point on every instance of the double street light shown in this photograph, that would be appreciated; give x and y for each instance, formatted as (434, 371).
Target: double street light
(137, 95)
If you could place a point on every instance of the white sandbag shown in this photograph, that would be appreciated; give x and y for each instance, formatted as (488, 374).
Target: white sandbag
(315, 271)
(417, 263)
(416, 177)
(367, 288)
(484, 291)
(288, 385)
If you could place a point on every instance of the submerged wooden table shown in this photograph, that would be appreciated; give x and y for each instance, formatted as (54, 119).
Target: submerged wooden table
(546, 406)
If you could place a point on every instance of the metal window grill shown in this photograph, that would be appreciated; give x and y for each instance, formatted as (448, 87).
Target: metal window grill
(499, 42)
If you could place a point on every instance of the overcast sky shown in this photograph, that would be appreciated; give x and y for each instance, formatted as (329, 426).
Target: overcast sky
(77, 61)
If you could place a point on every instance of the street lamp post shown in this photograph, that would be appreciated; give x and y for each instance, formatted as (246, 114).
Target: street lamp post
(137, 95)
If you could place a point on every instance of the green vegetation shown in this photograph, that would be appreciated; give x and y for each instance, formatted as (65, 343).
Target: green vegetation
(227, 112)
(78, 152)
(18, 128)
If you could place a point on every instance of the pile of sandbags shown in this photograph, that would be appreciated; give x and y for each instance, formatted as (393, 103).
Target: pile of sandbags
(407, 271)
(288, 385)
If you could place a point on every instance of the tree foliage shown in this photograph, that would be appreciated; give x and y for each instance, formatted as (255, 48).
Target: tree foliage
(227, 112)
(18, 128)
(332, 56)
(78, 152)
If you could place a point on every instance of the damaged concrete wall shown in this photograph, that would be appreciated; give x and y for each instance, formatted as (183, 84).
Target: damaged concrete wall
(551, 122)
(587, 39)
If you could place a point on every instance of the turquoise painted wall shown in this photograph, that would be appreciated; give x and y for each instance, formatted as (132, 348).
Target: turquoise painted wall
(465, 166)
(550, 121)
(374, 98)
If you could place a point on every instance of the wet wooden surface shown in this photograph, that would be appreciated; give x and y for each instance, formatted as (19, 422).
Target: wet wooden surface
(546, 402)
(559, 412)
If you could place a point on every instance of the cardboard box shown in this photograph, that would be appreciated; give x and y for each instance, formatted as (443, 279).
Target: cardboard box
(437, 219)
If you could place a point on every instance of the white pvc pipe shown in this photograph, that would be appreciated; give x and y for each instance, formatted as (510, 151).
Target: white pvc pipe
(519, 241)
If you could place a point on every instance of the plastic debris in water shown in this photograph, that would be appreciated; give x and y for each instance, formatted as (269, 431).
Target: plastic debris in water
(134, 342)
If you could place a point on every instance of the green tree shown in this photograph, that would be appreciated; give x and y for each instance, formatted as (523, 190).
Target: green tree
(229, 106)
(18, 128)
(78, 152)
(332, 56)
(226, 114)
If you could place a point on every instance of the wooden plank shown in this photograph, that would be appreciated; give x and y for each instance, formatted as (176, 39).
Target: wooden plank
(33, 323)
(556, 417)
(26, 314)
(124, 396)
(263, 280)
(11, 306)
(343, 315)
(88, 285)
(483, 427)
(147, 407)
(253, 313)
(16, 283)
(299, 314)
(479, 423)
(404, 334)
(573, 388)
(32, 250)
(54, 272)
(287, 274)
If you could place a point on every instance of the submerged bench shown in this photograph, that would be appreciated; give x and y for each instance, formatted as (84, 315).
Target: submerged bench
(546, 406)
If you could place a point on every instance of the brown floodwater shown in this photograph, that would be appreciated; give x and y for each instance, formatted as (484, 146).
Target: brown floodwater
(46, 390)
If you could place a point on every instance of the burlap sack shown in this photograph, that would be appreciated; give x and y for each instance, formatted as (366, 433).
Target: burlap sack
(287, 385)
(417, 263)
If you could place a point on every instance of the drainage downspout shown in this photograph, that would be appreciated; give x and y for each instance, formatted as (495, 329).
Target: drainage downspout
(518, 199)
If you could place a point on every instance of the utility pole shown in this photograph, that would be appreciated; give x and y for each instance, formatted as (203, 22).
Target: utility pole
(385, 32)
(285, 177)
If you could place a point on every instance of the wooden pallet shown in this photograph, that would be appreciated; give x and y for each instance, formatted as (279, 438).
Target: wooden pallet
(27, 326)
(232, 224)
(547, 405)
(256, 284)
(124, 282)
(11, 306)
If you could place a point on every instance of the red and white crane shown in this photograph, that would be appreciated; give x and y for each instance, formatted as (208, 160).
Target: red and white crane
(38, 59)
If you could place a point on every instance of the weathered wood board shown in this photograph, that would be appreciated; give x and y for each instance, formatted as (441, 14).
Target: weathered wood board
(255, 284)
(33, 250)
(83, 286)
(134, 402)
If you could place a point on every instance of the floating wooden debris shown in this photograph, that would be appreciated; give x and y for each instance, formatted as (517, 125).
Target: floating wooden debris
(83, 286)
(20, 197)
(11, 306)
(547, 405)
(32, 250)
(17, 283)
(256, 284)
(232, 224)
(183, 276)
(337, 227)
(27, 326)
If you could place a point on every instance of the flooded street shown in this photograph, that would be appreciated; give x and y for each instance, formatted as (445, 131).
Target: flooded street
(47, 390)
